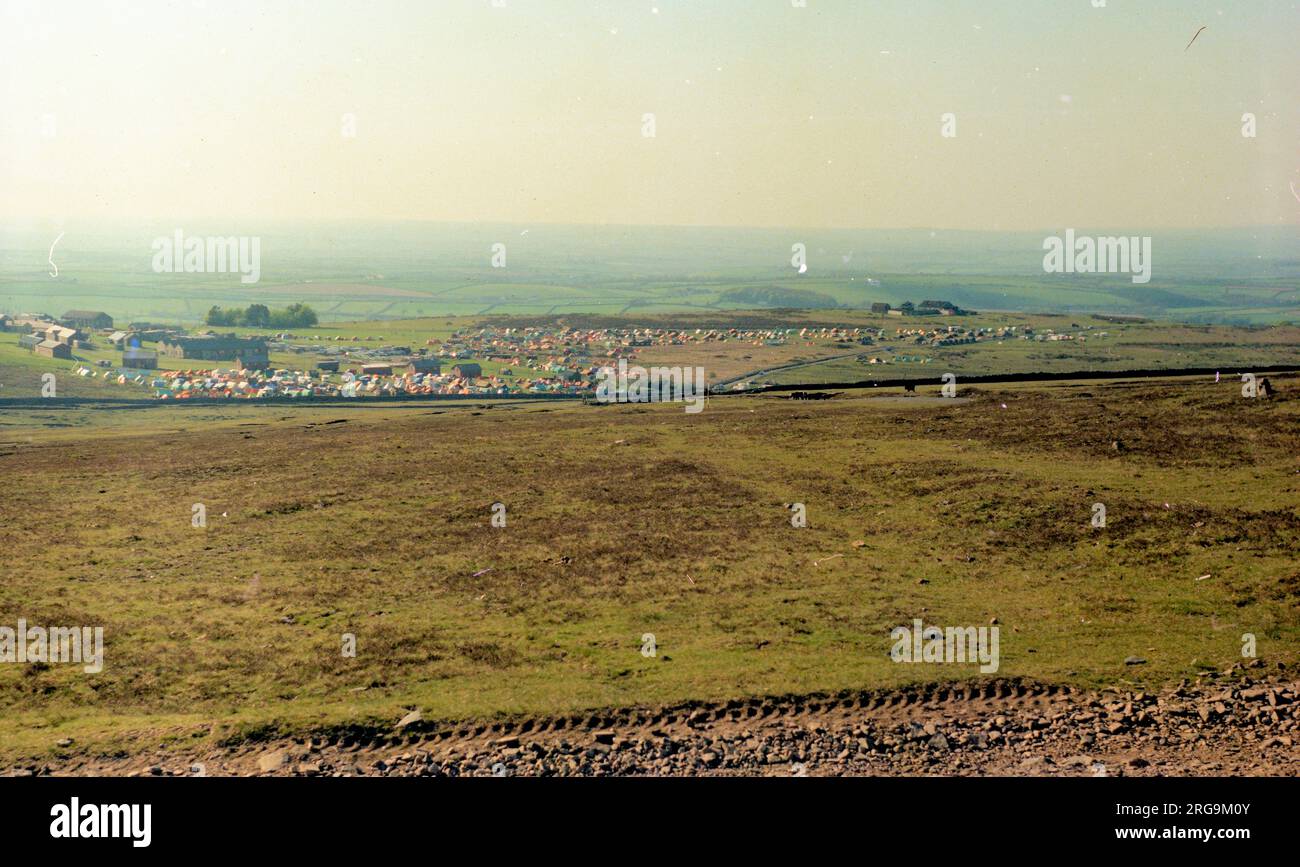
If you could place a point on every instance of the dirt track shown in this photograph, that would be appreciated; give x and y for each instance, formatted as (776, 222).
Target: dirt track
(1231, 724)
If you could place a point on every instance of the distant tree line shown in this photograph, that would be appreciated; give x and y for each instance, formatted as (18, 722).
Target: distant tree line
(261, 316)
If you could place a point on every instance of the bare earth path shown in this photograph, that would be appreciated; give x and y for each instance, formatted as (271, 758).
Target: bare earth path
(1244, 722)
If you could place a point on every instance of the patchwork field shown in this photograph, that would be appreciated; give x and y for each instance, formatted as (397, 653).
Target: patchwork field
(624, 521)
(404, 270)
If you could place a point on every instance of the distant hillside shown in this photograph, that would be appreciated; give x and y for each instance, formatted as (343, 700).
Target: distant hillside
(354, 271)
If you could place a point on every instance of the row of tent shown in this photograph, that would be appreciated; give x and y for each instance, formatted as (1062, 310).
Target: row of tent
(249, 384)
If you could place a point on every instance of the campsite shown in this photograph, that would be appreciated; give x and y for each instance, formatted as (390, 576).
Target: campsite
(513, 356)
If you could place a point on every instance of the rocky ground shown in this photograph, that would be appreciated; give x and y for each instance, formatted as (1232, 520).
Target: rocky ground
(1242, 722)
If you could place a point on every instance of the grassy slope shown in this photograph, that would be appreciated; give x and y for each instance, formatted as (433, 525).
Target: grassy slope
(378, 526)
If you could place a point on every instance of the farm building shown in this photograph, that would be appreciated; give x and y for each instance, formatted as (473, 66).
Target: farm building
(30, 341)
(25, 324)
(152, 335)
(88, 319)
(209, 348)
(467, 371)
(139, 359)
(59, 334)
(424, 365)
(253, 357)
(54, 349)
(880, 308)
(329, 364)
(118, 339)
(377, 369)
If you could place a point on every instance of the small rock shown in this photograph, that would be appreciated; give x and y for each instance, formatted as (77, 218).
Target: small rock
(410, 719)
(271, 761)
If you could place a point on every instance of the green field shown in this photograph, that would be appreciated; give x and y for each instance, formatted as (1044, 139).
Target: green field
(184, 299)
(355, 271)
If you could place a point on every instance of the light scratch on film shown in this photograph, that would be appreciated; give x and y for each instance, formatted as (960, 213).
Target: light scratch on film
(55, 272)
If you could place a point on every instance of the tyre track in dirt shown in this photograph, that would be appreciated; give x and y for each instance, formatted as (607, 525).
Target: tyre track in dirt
(1240, 722)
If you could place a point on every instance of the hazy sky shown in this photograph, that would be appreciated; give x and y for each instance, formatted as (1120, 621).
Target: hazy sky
(765, 114)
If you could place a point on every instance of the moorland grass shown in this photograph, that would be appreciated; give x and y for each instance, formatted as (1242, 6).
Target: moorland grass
(627, 520)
